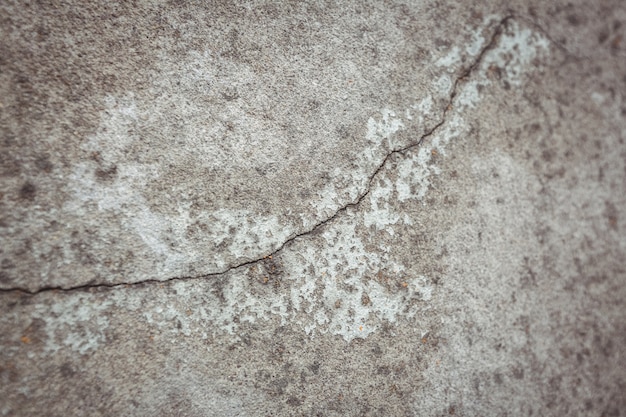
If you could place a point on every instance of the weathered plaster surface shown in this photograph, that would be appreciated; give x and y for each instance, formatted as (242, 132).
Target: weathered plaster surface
(321, 212)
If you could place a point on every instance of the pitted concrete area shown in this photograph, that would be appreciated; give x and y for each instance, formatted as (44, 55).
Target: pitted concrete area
(279, 209)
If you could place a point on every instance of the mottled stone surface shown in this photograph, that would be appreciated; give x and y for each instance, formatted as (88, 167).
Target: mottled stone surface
(322, 210)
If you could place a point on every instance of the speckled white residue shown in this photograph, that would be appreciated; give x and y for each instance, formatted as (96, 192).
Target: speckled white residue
(424, 106)
(443, 85)
(330, 279)
(327, 284)
(76, 323)
(450, 59)
(346, 186)
(517, 48)
(345, 259)
(239, 231)
(598, 98)
(476, 44)
(327, 202)
(239, 228)
(413, 176)
(514, 53)
(453, 57)
(379, 131)
(123, 196)
(335, 298)
(328, 297)
(380, 213)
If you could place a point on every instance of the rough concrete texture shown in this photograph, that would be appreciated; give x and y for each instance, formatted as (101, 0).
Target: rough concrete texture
(378, 208)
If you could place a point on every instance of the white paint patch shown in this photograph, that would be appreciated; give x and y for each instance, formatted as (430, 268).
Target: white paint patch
(347, 186)
(346, 274)
(379, 131)
(443, 85)
(336, 284)
(476, 45)
(517, 48)
(515, 51)
(381, 214)
(451, 59)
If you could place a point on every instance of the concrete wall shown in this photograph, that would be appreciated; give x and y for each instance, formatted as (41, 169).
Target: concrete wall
(320, 209)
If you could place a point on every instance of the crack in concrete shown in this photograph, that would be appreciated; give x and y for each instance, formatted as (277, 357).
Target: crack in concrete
(461, 78)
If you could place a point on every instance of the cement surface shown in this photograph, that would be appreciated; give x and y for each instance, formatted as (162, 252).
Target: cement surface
(312, 209)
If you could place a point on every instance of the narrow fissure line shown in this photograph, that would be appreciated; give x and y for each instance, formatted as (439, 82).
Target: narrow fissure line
(464, 75)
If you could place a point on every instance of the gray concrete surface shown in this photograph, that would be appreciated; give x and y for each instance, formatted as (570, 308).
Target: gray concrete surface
(372, 208)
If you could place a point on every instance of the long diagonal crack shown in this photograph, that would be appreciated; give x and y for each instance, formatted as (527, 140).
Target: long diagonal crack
(461, 78)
